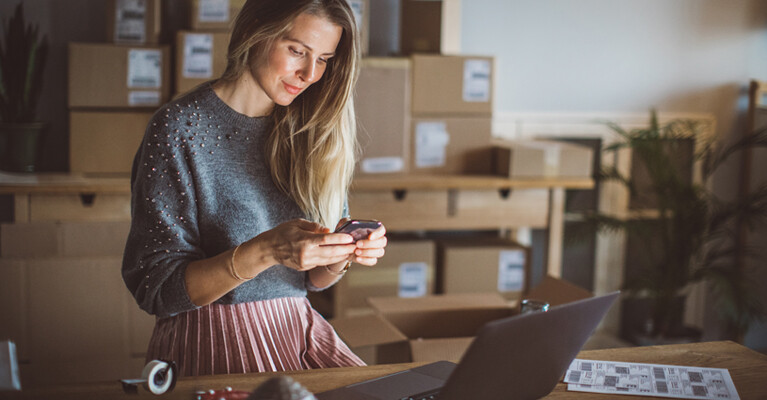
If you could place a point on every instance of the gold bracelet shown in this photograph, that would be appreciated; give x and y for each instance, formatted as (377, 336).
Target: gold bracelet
(233, 269)
(341, 272)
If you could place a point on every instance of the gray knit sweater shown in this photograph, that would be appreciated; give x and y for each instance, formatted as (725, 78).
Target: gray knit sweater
(200, 186)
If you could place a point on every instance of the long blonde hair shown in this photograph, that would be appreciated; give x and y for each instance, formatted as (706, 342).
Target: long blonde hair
(312, 146)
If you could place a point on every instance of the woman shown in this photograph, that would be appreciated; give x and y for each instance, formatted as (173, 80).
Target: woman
(234, 188)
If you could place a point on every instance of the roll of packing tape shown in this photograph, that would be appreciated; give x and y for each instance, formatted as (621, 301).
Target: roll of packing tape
(159, 376)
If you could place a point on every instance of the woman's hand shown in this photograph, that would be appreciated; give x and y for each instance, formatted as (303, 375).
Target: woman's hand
(304, 245)
(370, 249)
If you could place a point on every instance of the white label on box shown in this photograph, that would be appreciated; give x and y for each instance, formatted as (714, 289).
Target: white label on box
(9, 367)
(511, 270)
(413, 277)
(144, 68)
(551, 156)
(213, 11)
(198, 55)
(379, 165)
(476, 80)
(358, 9)
(130, 21)
(430, 142)
(144, 98)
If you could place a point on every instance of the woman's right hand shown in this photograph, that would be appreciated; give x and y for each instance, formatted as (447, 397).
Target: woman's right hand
(302, 245)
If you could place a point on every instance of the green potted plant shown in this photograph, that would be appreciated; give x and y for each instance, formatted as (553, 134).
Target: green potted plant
(22, 60)
(689, 239)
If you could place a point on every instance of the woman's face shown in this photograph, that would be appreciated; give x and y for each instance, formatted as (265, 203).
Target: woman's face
(298, 59)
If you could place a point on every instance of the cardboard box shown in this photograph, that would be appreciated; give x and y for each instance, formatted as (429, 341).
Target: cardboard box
(361, 10)
(484, 265)
(213, 15)
(374, 339)
(133, 21)
(382, 105)
(440, 327)
(452, 85)
(451, 145)
(200, 57)
(105, 142)
(110, 75)
(542, 158)
(407, 270)
(429, 26)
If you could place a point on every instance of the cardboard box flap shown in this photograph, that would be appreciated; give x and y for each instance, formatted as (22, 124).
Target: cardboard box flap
(463, 301)
(366, 330)
(557, 291)
(445, 323)
(450, 349)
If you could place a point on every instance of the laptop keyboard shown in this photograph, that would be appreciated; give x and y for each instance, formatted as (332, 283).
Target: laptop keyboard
(430, 395)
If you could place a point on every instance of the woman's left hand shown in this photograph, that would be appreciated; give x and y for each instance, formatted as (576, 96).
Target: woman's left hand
(370, 249)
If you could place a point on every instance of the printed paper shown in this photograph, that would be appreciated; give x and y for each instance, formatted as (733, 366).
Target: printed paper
(144, 68)
(377, 165)
(213, 11)
(144, 98)
(413, 278)
(431, 140)
(130, 21)
(511, 270)
(476, 80)
(198, 55)
(674, 381)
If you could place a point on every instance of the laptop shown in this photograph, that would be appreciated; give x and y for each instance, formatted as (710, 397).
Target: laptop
(519, 357)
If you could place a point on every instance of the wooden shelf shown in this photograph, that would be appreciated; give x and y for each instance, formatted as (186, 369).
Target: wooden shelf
(466, 182)
(63, 183)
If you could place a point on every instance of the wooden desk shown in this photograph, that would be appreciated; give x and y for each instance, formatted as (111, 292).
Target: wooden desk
(747, 367)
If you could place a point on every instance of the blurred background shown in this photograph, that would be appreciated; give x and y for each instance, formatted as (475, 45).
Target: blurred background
(561, 67)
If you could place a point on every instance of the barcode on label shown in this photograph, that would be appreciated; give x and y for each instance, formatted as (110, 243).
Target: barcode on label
(696, 377)
(621, 370)
(698, 390)
(611, 380)
(575, 376)
(132, 14)
(661, 387)
(659, 373)
(586, 367)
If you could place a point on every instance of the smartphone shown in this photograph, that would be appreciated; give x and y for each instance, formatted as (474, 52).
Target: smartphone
(359, 228)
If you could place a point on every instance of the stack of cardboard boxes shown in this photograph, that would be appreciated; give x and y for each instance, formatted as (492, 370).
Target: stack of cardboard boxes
(114, 88)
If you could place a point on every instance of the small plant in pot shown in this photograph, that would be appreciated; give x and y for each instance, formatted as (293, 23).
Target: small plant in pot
(689, 237)
(22, 60)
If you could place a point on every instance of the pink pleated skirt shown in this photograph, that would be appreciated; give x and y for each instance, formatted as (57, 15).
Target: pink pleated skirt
(282, 334)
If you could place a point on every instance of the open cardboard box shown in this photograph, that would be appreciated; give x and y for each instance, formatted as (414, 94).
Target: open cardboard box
(438, 327)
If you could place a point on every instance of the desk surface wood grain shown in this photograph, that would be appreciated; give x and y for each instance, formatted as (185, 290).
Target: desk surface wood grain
(747, 368)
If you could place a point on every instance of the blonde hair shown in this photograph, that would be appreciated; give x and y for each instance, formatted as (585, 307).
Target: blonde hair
(313, 142)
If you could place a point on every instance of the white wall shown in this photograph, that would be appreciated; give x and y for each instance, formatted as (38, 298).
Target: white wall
(616, 56)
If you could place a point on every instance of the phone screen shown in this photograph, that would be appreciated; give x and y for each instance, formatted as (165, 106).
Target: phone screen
(359, 228)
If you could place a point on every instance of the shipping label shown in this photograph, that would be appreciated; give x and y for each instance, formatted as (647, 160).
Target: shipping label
(657, 380)
(144, 68)
(413, 279)
(511, 270)
(476, 80)
(431, 141)
(213, 11)
(130, 21)
(358, 9)
(380, 165)
(198, 56)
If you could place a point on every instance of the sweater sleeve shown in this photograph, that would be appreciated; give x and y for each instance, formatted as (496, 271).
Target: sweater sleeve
(164, 236)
